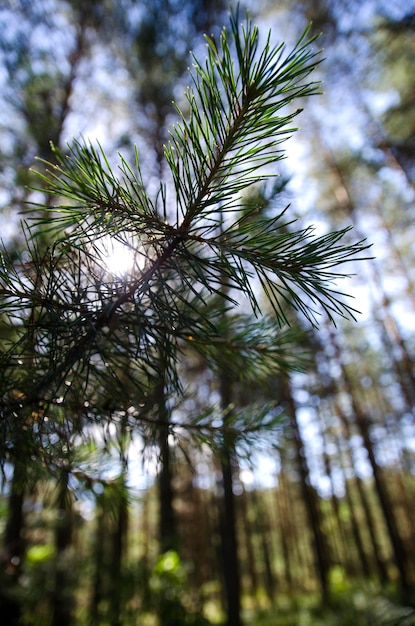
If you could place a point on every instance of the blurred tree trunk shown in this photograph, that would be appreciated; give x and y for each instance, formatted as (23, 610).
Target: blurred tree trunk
(13, 548)
(62, 600)
(321, 550)
(248, 529)
(99, 565)
(356, 483)
(371, 527)
(338, 531)
(299, 559)
(404, 510)
(346, 462)
(285, 528)
(227, 515)
(167, 521)
(193, 526)
(119, 542)
(363, 564)
(212, 504)
(356, 530)
(395, 344)
(402, 559)
(119, 534)
(362, 421)
(263, 531)
(146, 539)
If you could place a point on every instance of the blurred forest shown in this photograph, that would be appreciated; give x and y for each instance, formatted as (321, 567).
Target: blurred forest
(116, 517)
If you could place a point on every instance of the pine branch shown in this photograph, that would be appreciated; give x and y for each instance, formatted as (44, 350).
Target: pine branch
(240, 113)
(294, 268)
(250, 350)
(235, 127)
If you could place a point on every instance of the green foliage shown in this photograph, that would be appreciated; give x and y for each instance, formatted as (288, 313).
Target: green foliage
(364, 607)
(169, 583)
(236, 124)
(235, 127)
(73, 330)
(38, 554)
(199, 248)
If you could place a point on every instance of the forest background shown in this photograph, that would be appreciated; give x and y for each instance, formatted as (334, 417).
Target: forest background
(311, 518)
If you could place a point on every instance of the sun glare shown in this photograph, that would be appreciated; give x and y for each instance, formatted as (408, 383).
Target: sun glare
(119, 257)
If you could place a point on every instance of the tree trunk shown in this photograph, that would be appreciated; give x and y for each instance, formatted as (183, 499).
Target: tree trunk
(310, 499)
(356, 530)
(230, 561)
(62, 599)
(13, 549)
(119, 535)
(287, 528)
(370, 525)
(167, 521)
(119, 539)
(262, 529)
(98, 590)
(248, 541)
(402, 559)
(339, 539)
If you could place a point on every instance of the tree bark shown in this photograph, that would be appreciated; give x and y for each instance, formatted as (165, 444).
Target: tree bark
(119, 540)
(322, 561)
(248, 541)
(98, 590)
(262, 529)
(13, 549)
(229, 544)
(167, 520)
(62, 599)
(402, 559)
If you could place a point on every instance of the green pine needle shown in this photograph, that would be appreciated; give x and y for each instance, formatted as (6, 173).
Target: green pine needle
(196, 239)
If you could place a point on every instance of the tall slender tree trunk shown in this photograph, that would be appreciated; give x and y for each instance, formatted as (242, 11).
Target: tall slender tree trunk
(295, 558)
(13, 549)
(62, 598)
(370, 525)
(284, 524)
(119, 540)
(339, 539)
(404, 511)
(229, 544)
(98, 590)
(211, 505)
(402, 559)
(396, 346)
(321, 555)
(119, 534)
(358, 539)
(357, 483)
(248, 541)
(167, 521)
(262, 529)
(146, 539)
(347, 557)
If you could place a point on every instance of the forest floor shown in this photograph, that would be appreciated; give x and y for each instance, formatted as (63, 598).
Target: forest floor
(354, 608)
